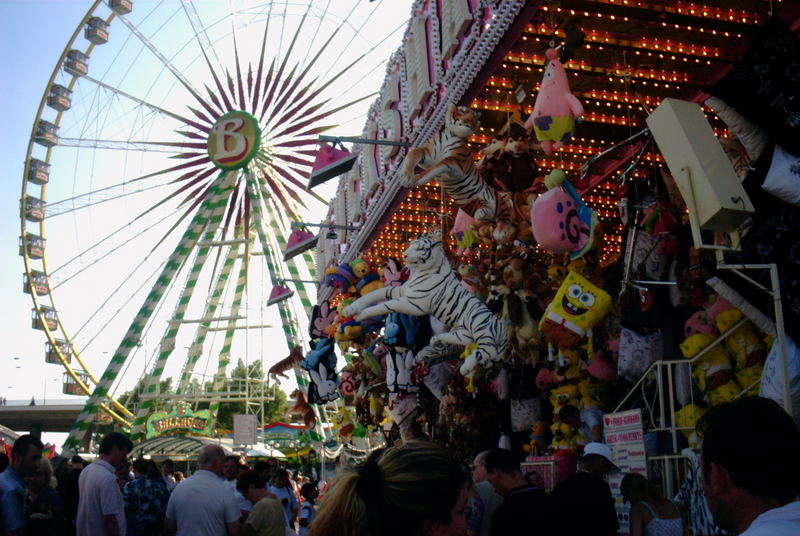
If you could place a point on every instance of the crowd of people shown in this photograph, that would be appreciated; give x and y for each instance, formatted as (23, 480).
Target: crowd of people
(414, 489)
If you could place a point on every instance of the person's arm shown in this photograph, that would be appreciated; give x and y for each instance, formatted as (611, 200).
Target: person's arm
(235, 529)
(637, 520)
(597, 433)
(110, 525)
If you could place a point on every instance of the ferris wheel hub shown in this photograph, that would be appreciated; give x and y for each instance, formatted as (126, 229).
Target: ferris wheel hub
(234, 140)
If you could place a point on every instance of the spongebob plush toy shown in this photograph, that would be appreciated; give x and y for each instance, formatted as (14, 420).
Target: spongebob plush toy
(576, 308)
(713, 372)
(562, 438)
(343, 422)
(561, 396)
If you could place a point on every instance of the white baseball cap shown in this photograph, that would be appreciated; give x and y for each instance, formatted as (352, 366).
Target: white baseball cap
(601, 449)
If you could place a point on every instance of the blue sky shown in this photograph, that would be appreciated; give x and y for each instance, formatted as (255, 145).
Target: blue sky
(33, 34)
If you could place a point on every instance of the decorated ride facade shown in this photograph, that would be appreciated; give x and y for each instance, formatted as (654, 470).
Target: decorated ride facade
(563, 226)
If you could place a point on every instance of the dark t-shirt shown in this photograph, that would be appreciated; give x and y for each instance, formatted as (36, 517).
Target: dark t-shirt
(524, 508)
(583, 505)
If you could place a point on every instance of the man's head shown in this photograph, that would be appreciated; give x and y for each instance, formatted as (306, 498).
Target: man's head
(280, 478)
(211, 458)
(231, 467)
(114, 448)
(26, 454)
(570, 415)
(250, 485)
(733, 476)
(479, 467)
(167, 467)
(502, 470)
(76, 462)
(597, 459)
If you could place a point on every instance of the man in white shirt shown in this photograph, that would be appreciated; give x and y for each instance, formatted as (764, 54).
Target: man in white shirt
(101, 509)
(204, 505)
(485, 490)
(751, 467)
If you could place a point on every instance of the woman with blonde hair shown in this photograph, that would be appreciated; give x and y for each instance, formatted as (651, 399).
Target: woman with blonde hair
(417, 489)
(651, 513)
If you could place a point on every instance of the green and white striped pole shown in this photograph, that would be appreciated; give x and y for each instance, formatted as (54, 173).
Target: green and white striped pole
(167, 345)
(134, 333)
(225, 354)
(196, 349)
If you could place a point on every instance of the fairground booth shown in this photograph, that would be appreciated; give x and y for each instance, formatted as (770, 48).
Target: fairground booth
(565, 203)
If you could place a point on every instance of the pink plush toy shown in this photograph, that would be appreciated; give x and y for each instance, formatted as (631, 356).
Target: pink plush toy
(560, 221)
(698, 323)
(555, 110)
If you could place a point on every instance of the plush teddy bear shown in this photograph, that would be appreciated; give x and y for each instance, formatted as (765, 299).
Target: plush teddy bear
(687, 418)
(538, 439)
(562, 439)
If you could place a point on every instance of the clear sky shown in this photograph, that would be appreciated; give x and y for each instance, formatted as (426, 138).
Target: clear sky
(33, 34)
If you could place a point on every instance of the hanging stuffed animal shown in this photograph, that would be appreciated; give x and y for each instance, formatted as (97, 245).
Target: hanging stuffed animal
(560, 220)
(434, 289)
(323, 318)
(577, 307)
(555, 109)
(323, 386)
(399, 366)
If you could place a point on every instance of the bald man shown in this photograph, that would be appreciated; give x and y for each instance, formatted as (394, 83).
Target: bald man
(203, 505)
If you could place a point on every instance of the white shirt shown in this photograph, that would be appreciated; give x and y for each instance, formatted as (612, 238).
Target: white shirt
(307, 512)
(289, 502)
(781, 521)
(99, 496)
(202, 505)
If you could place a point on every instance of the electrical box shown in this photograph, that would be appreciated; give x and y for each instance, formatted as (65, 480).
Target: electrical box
(701, 169)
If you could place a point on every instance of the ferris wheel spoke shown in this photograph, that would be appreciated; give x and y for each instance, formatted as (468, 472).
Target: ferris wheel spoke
(200, 34)
(123, 241)
(137, 100)
(129, 145)
(166, 63)
(96, 197)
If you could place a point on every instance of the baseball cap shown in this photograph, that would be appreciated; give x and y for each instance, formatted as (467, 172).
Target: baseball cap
(601, 449)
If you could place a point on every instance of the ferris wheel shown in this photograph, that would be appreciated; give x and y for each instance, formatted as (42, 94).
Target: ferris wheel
(164, 169)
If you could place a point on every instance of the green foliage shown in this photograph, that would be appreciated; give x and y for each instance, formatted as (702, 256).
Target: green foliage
(131, 399)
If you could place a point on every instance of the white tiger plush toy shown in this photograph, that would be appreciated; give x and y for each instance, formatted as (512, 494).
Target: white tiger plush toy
(447, 157)
(434, 289)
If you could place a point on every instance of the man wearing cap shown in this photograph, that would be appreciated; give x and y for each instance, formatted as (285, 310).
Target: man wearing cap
(582, 502)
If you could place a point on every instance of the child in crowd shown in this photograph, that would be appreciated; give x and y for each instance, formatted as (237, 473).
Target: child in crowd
(307, 511)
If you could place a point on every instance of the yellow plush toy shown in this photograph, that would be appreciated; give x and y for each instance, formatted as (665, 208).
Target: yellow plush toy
(562, 438)
(687, 417)
(591, 394)
(576, 308)
(343, 422)
(561, 396)
(713, 372)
